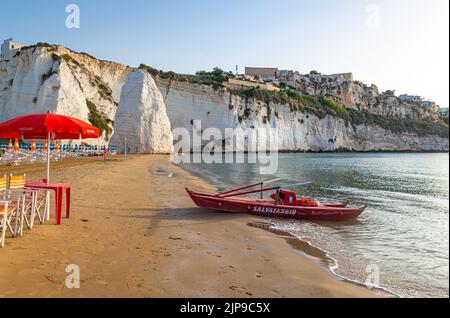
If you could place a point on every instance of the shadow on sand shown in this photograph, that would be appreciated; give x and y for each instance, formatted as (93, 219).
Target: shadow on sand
(194, 216)
(184, 216)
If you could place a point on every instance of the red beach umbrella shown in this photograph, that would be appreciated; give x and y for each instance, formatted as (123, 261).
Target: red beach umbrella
(38, 126)
(47, 126)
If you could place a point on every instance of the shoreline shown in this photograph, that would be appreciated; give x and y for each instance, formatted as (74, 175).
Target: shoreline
(134, 233)
(320, 256)
(305, 247)
(323, 256)
(334, 152)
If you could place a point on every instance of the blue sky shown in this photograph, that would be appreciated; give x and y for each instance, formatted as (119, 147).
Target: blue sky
(396, 44)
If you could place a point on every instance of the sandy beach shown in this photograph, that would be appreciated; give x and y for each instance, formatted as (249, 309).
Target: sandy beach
(134, 233)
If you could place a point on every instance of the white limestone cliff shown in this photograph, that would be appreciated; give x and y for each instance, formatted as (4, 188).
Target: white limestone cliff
(53, 78)
(142, 125)
(297, 131)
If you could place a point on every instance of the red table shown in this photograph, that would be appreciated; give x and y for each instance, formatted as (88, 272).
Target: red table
(59, 190)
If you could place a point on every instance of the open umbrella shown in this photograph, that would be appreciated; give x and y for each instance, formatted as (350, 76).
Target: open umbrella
(47, 126)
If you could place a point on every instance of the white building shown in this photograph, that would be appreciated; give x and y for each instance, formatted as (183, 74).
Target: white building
(421, 101)
(410, 98)
(426, 103)
(9, 49)
(291, 78)
(443, 112)
(267, 74)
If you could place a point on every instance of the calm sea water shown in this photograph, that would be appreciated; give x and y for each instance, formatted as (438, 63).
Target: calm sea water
(404, 233)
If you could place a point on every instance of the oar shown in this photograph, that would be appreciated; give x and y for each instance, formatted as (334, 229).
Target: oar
(296, 184)
(272, 181)
(247, 187)
(267, 182)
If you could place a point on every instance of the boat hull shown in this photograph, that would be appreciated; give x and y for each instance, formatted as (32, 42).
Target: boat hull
(268, 208)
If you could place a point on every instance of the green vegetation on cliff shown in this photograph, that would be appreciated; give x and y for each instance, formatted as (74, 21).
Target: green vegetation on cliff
(214, 78)
(317, 105)
(322, 106)
(420, 127)
(97, 119)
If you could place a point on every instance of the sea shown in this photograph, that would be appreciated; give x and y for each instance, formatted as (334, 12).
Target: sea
(400, 243)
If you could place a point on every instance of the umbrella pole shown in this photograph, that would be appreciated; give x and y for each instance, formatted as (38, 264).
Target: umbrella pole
(47, 194)
(48, 158)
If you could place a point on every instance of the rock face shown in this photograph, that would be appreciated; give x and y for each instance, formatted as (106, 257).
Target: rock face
(35, 82)
(141, 117)
(297, 131)
(53, 78)
(356, 95)
(56, 79)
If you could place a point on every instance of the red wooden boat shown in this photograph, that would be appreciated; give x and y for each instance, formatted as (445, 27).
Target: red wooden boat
(282, 203)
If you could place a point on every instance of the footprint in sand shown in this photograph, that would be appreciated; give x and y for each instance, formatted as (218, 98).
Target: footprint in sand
(242, 290)
(233, 269)
(50, 279)
(275, 292)
(264, 259)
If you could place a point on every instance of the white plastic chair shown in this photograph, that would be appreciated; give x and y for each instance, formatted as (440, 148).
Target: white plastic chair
(11, 211)
(4, 225)
(33, 200)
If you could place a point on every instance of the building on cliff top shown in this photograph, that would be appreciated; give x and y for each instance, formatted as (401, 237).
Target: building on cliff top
(267, 74)
(344, 76)
(410, 98)
(421, 101)
(290, 77)
(272, 74)
(443, 112)
(9, 49)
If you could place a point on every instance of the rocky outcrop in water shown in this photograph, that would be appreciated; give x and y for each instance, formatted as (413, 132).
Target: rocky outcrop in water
(142, 125)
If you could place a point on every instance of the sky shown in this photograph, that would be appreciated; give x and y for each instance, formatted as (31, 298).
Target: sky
(401, 45)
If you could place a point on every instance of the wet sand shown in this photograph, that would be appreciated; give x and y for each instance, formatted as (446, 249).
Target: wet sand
(135, 233)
